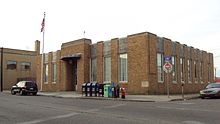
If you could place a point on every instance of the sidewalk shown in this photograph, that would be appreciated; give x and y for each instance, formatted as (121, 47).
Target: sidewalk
(137, 98)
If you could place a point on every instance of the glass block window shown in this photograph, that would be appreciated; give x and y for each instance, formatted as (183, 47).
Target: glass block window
(107, 69)
(123, 71)
(93, 69)
(201, 72)
(46, 73)
(160, 77)
(189, 70)
(174, 69)
(195, 71)
(182, 69)
(54, 72)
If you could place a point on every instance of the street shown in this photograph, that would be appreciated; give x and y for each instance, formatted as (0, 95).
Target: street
(15, 109)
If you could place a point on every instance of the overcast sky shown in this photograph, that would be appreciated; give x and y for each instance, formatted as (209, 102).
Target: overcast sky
(192, 22)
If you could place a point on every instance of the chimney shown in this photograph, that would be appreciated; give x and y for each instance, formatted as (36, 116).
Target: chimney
(37, 47)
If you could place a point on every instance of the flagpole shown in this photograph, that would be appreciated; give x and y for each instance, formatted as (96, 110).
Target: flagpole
(42, 59)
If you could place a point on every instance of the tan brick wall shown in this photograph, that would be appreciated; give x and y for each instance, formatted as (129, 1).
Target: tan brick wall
(83, 64)
(38, 72)
(142, 66)
(52, 86)
(10, 76)
(137, 63)
(63, 68)
(212, 66)
(152, 42)
(37, 47)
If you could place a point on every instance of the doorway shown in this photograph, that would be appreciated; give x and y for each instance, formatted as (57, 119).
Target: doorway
(71, 75)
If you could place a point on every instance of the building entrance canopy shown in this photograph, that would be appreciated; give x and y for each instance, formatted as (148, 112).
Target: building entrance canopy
(71, 57)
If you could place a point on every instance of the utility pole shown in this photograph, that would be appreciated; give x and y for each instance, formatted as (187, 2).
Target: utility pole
(1, 69)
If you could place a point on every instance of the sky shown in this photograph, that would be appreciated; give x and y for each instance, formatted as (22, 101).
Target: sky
(195, 23)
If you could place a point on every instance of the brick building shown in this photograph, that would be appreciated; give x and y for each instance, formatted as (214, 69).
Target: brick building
(135, 62)
(17, 65)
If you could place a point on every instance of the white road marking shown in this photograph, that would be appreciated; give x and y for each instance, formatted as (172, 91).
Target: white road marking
(186, 103)
(188, 109)
(114, 106)
(192, 122)
(50, 118)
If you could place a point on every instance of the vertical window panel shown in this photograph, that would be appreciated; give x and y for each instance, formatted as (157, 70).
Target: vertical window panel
(189, 70)
(160, 67)
(195, 71)
(54, 72)
(201, 72)
(174, 69)
(46, 73)
(107, 69)
(123, 67)
(93, 69)
(182, 69)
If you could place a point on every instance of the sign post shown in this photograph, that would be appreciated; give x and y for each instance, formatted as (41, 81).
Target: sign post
(167, 67)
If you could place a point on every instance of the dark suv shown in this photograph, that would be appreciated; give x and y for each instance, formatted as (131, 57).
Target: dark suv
(24, 88)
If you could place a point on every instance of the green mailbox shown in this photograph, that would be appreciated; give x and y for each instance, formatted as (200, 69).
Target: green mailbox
(106, 90)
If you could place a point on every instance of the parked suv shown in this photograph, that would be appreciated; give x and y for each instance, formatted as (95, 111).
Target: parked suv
(24, 88)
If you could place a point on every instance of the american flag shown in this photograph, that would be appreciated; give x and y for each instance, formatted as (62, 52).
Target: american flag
(42, 24)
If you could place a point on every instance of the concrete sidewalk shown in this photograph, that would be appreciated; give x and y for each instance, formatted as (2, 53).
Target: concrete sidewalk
(136, 98)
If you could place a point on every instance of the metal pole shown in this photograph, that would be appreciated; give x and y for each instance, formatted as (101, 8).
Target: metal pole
(215, 73)
(182, 90)
(168, 90)
(42, 59)
(1, 69)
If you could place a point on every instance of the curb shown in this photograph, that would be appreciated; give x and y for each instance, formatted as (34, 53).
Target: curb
(187, 98)
(98, 98)
(115, 99)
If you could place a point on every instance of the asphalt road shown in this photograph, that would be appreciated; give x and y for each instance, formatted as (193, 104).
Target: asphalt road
(50, 110)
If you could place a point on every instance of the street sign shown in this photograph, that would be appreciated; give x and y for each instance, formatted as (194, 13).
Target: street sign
(167, 67)
(167, 59)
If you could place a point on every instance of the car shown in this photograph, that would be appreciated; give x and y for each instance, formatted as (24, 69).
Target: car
(24, 88)
(212, 90)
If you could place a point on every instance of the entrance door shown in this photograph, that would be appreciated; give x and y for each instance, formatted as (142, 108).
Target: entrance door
(71, 73)
(74, 74)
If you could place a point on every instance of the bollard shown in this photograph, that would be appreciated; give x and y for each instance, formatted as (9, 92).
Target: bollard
(123, 93)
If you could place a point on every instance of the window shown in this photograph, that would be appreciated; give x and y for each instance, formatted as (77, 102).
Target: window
(11, 65)
(123, 72)
(93, 69)
(195, 74)
(21, 84)
(107, 69)
(46, 74)
(25, 66)
(201, 72)
(189, 70)
(174, 69)
(54, 72)
(182, 69)
(160, 67)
